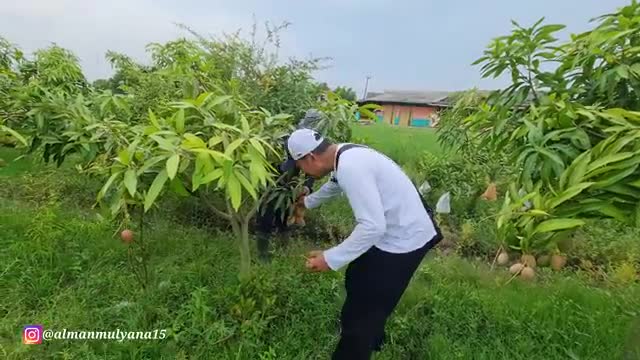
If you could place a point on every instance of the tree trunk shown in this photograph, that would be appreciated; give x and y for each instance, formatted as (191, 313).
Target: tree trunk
(245, 252)
(241, 232)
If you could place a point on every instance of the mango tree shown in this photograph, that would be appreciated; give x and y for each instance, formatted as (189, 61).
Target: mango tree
(214, 147)
(573, 131)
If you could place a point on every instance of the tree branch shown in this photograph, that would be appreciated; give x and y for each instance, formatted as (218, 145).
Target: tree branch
(535, 93)
(213, 208)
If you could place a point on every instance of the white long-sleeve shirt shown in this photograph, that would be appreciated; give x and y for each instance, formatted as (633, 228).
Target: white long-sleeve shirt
(385, 203)
(324, 193)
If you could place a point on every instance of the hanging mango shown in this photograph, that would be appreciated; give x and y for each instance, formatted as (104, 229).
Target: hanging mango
(491, 193)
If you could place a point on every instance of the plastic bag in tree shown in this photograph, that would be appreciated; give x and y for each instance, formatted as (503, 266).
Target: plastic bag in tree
(527, 204)
(425, 187)
(443, 205)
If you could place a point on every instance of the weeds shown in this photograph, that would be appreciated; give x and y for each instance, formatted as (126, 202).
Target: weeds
(63, 268)
(70, 272)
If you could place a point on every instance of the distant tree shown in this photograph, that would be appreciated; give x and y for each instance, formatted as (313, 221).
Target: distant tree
(102, 84)
(113, 83)
(346, 93)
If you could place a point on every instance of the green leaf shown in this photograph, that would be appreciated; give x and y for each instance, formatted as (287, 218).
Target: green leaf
(154, 120)
(224, 126)
(622, 71)
(202, 98)
(215, 140)
(172, 166)
(607, 160)
(557, 224)
(154, 190)
(281, 116)
(204, 164)
(267, 146)
(534, 134)
(216, 155)
(524, 154)
(196, 179)
(234, 145)
(621, 143)
(220, 99)
(15, 134)
(150, 163)
(581, 140)
(163, 143)
(124, 156)
(635, 183)
(612, 179)
(256, 145)
(107, 185)
(637, 215)
(177, 187)
(131, 181)
(179, 116)
(227, 168)
(535, 212)
(530, 167)
(576, 171)
(133, 146)
(614, 212)
(116, 203)
(245, 124)
(247, 185)
(193, 142)
(258, 172)
(568, 194)
(553, 157)
(623, 189)
(234, 191)
(548, 29)
(624, 164)
(215, 174)
(599, 147)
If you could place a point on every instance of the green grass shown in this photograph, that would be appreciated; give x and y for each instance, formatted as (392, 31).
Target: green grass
(61, 266)
(403, 144)
(66, 270)
(14, 163)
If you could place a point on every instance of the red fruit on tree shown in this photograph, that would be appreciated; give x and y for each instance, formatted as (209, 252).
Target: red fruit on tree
(127, 236)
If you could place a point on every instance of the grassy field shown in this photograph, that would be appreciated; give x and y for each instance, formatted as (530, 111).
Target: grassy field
(62, 266)
(402, 144)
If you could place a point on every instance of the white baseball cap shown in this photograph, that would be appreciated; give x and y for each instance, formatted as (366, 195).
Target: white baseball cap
(300, 143)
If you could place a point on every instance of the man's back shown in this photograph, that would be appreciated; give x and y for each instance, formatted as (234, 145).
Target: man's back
(385, 202)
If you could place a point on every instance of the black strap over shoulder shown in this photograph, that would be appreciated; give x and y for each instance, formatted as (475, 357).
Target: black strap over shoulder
(342, 149)
(346, 147)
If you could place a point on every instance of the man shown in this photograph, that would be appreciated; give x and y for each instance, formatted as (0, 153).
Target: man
(394, 231)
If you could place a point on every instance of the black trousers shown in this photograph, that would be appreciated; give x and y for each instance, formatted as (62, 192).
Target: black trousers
(375, 283)
(268, 220)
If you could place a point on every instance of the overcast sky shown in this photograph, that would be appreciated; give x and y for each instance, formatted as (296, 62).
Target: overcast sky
(402, 44)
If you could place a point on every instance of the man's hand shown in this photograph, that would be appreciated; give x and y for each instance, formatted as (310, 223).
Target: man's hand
(316, 261)
(300, 200)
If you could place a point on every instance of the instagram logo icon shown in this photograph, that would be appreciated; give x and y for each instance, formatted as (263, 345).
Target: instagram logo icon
(32, 334)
